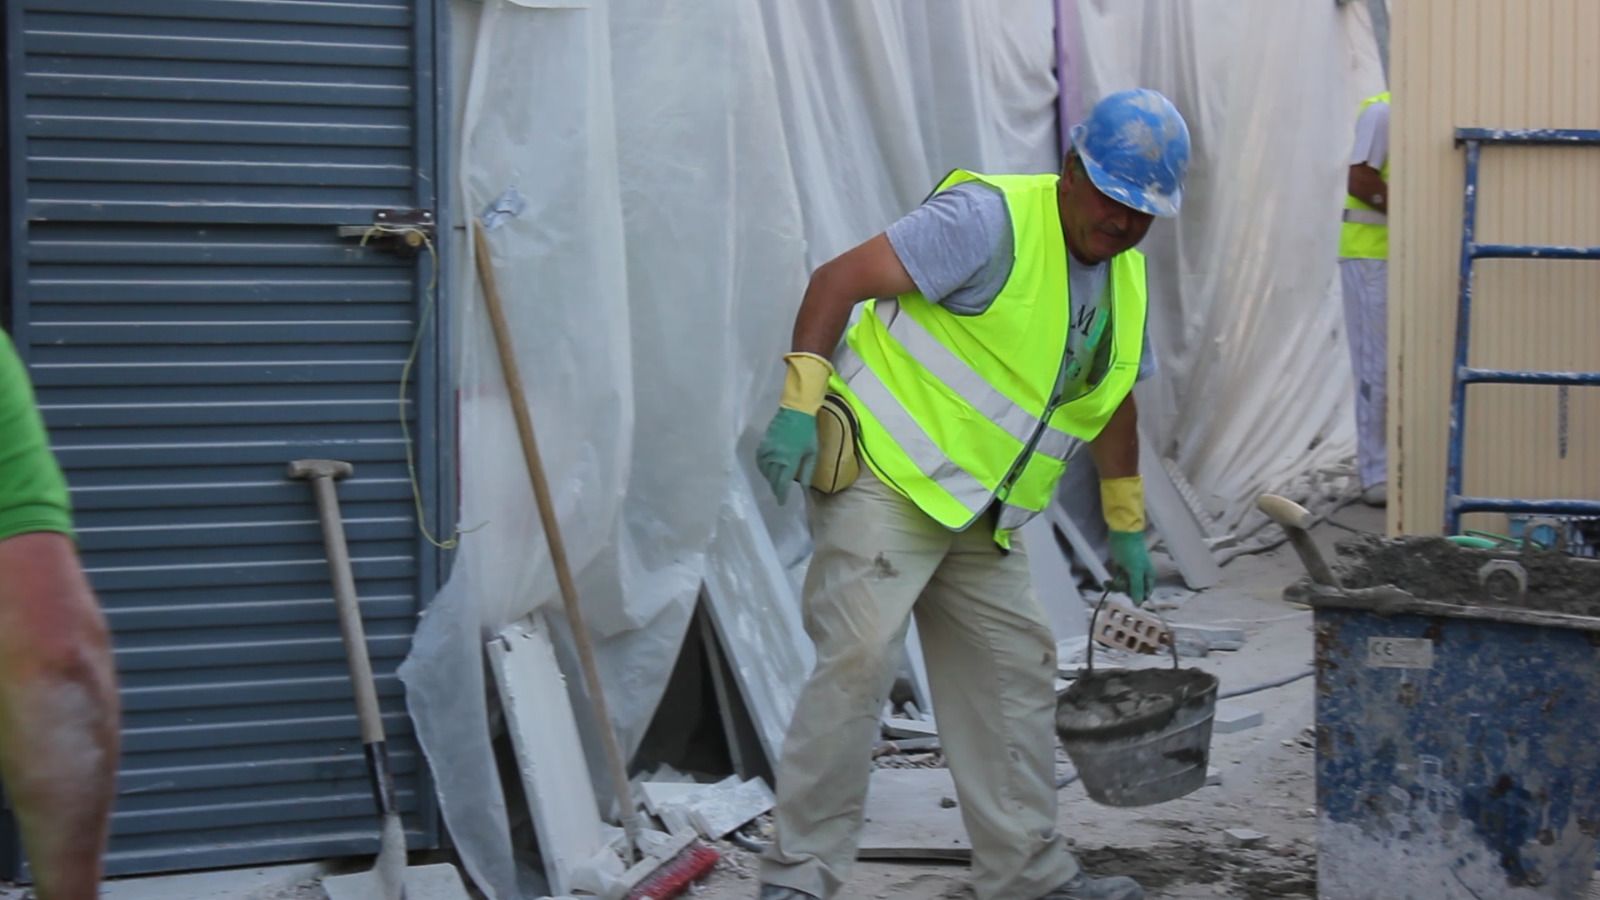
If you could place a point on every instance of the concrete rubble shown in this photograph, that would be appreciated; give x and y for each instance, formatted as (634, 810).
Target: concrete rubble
(712, 810)
(1231, 717)
(1243, 837)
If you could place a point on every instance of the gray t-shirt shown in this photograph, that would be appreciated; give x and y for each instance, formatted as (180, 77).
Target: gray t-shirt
(957, 248)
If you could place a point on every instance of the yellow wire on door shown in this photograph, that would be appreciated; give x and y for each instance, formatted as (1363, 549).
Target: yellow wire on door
(410, 235)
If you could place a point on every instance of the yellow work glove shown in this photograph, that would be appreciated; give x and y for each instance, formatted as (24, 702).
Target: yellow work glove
(806, 382)
(1122, 504)
(788, 451)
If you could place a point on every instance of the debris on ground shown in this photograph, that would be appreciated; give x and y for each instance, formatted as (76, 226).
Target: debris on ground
(1243, 837)
(1231, 717)
(1177, 850)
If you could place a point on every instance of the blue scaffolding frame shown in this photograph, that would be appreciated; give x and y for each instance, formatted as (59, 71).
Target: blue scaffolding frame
(1462, 374)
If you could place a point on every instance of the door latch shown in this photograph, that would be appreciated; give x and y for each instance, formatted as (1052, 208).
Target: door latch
(399, 231)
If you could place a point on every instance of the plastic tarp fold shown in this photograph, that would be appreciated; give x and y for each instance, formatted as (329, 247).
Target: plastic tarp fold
(680, 167)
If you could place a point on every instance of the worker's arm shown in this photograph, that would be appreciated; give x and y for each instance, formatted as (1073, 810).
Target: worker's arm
(870, 270)
(1116, 457)
(1116, 450)
(58, 700)
(1367, 185)
(58, 712)
(788, 452)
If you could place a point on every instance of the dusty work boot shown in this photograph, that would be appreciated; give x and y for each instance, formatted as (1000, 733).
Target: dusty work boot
(1083, 887)
(1376, 495)
(778, 892)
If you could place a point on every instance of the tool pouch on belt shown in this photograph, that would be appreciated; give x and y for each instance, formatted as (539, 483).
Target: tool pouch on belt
(837, 463)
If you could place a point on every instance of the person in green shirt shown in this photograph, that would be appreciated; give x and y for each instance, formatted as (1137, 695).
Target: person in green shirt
(58, 693)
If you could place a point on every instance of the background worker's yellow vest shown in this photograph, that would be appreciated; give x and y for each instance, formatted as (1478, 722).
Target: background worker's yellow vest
(1365, 231)
(959, 411)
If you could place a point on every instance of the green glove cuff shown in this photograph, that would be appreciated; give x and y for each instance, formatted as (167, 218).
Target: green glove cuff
(1125, 541)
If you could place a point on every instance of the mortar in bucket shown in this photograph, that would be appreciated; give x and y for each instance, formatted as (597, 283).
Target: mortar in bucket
(1138, 737)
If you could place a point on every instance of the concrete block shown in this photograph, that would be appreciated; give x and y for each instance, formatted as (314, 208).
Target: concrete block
(676, 819)
(1212, 637)
(661, 794)
(1243, 837)
(549, 752)
(909, 728)
(905, 819)
(1213, 776)
(718, 811)
(907, 745)
(1129, 628)
(1232, 717)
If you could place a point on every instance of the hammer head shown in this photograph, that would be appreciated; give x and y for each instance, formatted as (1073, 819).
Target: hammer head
(1284, 511)
(308, 469)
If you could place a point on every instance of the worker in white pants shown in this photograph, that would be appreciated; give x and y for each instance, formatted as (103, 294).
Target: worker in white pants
(1363, 277)
(1364, 283)
(1008, 327)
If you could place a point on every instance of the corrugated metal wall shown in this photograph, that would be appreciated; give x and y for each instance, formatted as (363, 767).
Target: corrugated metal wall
(1502, 64)
(193, 322)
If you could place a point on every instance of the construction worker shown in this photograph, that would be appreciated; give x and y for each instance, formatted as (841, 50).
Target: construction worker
(1363, 275)
(58, 693)
(1009, 326)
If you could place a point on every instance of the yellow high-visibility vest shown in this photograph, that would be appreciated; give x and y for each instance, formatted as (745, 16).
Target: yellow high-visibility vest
(958, 412)
(1364, 234)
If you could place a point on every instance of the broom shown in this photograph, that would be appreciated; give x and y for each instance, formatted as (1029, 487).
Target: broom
(694, 861)
(673, 879)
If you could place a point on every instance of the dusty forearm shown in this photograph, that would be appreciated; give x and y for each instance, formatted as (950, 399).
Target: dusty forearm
(869, 270)
(1116, 450)
(58, 713)
(824, 311)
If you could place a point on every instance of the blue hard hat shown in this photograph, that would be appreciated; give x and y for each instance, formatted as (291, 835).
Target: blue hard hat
(1135, 147)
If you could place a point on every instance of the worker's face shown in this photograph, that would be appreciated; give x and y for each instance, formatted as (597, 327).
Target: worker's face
(1096, 227)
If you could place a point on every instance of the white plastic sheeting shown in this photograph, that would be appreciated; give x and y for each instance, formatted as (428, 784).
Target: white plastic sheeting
(1255, 390)
(683, 165)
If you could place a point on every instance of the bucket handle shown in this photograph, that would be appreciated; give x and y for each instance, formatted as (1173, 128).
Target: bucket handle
(1094, 620)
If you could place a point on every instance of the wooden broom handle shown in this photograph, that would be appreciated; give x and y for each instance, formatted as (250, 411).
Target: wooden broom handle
(552, 533)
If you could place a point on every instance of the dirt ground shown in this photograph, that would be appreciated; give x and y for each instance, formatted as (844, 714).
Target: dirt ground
(1178, 849)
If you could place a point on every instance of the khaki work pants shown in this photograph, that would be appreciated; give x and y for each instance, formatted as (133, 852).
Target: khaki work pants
(991, 665)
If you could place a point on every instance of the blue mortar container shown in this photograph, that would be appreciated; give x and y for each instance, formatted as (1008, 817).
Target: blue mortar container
(1458, 737)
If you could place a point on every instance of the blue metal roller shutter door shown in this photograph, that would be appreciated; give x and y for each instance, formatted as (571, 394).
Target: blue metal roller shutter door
(192, 322)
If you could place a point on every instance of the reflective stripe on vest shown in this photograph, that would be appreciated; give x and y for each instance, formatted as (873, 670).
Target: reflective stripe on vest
(1366, 217)
(1364, 232)
(959, 377)
(958, 413)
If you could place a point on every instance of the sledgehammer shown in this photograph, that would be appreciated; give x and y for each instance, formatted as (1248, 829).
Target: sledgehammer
(1295, 521)
(388, 879)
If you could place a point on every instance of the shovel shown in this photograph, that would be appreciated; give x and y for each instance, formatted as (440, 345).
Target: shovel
(390, 878)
